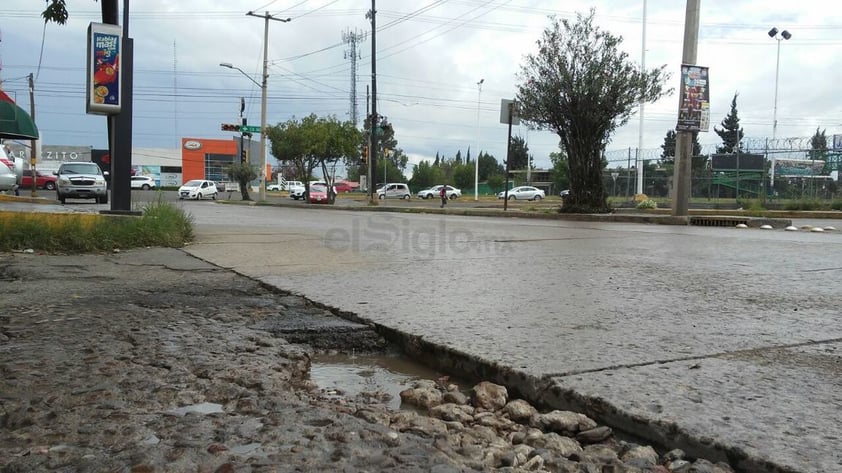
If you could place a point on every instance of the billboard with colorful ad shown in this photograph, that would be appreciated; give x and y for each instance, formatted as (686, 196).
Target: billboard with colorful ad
(104, 82)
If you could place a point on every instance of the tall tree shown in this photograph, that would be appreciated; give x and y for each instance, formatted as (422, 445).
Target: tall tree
(582, 86)
(561, 170)
(818, 147)
(312, 142)
(463, 176)
(731, 133)
(425, 175)
(519, 154)
(488, 166)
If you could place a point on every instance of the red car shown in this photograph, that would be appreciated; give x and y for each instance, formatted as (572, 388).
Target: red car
(343, 186)
(318, 194)
(43, 180)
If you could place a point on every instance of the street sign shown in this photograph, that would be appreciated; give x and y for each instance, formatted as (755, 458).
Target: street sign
(250, 129)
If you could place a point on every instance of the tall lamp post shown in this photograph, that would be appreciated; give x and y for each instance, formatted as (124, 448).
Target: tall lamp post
(476, 159)
(773, 33)
(261, 180)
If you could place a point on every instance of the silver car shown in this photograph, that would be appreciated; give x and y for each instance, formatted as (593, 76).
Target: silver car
(394, 190)
(523, 193)
(81, 180)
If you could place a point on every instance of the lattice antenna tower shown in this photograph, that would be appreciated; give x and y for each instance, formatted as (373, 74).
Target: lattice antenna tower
(352, 38)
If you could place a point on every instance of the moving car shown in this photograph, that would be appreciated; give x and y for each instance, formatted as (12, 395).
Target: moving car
(198, 189)
(296, 189)
(394, 190)
(564, 193)
(318, 193)
(434, 191)
(143, 182)
(43, 180)
(81, 180)
(523, 193)
(343, 186)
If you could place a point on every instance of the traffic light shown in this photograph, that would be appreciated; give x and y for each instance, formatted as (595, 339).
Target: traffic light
(230, 127)
(365, 154)
(244, 155)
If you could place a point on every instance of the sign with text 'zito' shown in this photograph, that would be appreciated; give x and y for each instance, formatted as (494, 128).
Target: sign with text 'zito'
(104, 81)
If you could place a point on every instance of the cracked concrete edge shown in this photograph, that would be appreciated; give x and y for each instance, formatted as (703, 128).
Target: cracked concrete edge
(546, 392)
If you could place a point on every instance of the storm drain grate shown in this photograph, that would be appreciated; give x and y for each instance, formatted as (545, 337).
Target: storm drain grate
(717, 221)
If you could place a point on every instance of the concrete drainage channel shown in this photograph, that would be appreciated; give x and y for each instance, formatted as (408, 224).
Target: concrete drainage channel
(354, 358)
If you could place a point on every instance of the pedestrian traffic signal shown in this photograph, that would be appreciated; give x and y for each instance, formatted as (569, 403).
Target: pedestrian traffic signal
(230, 127)
(365, 154)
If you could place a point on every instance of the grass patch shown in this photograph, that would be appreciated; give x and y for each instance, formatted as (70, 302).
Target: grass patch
(161, 224)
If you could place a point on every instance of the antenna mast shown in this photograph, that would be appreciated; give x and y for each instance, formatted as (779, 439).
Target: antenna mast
(352, 38)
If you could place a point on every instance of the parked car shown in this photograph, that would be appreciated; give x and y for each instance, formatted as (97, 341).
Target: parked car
(220, 186)
(81, 180)
(523, 193)
(10, 168)
(394, 190)
(198, 189)
(273, 188)
(564, 193)
(143, 182)
(318, 194)
(296, 189)
(43, 180)
(434, 192)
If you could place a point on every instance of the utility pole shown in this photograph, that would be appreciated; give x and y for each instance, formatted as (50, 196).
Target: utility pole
(373, 151)
(639, 159)
(32, 155)
(261, 176)
(370, 171)
(684, 139)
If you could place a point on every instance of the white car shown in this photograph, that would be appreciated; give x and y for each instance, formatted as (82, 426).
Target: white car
(296, 190)
(523, 193)
(143, 182)
(198, 189)
(10, 170)
(435, 192)
(394, 190)
(273, 188)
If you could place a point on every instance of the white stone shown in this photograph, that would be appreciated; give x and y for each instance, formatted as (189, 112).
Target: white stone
(742, 225)
(830, 229)
(817, 230)
(766, 227)
(791, 228)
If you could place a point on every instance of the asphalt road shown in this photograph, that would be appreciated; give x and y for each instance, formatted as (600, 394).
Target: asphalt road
(720, 340)
(723, 341)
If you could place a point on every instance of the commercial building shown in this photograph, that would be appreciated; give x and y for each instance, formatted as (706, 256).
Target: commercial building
(197, 158)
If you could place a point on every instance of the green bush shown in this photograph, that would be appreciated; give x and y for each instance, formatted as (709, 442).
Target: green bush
(646, 204)
(803, 204)
(836, 205)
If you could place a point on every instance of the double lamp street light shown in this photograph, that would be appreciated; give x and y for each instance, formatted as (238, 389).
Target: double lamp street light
(784, 35)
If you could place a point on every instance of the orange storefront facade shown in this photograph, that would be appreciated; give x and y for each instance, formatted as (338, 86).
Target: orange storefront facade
(203, 158)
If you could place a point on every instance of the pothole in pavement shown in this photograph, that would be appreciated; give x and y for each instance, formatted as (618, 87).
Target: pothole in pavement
(351, 360)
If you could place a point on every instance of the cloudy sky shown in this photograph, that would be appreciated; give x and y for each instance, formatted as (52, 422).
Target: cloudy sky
(430, 56)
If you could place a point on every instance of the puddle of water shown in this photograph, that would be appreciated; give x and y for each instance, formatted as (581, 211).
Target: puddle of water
(351, 375)
(203, 408)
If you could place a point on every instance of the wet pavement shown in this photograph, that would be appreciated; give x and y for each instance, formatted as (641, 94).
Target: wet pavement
(722, 341)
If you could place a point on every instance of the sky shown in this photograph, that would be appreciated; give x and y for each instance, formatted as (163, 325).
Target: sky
(430, 55)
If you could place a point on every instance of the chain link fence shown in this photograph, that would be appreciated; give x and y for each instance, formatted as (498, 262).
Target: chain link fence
(784, 168)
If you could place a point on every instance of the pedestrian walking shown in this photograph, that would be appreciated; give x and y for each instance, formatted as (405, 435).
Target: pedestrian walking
(443, 195)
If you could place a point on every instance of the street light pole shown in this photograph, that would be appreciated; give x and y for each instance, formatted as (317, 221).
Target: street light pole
(261, 176)
(476, 159)
(773, 33)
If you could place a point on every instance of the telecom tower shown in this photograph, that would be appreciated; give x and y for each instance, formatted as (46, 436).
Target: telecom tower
(352, 53)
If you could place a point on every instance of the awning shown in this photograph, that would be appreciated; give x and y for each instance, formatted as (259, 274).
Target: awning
(14, 122)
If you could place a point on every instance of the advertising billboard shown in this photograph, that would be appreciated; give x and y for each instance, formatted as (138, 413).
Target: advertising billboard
(104, 81)
(694, 99)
